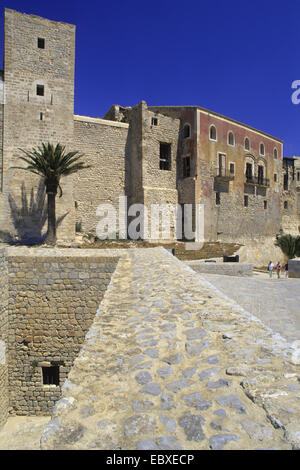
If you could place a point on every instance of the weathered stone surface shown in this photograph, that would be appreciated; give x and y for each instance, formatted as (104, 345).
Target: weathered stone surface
(143, 377)
(192, 425)
(232, 401)
(259, 431)
(195, 401)
(207, 373)
(218, 441)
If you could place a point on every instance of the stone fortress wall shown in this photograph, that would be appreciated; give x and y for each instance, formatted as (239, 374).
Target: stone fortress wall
(53, 297)
(125, 151)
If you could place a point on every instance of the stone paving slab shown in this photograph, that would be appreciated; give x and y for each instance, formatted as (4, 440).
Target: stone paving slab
(274, 301)
(22, 432)
(170, 363)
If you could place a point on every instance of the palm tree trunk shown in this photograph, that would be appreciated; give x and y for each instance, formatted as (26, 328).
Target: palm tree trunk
(51, 233)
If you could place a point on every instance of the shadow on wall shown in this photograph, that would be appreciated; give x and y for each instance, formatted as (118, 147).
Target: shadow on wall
(30, 218)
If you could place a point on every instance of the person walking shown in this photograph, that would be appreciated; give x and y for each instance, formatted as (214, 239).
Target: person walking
(270, 269)
(286, 270)
(278, 269)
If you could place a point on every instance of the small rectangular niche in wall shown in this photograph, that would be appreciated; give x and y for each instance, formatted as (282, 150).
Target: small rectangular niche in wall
(154, 121)
(246, 201)
(50, 375)
(41, 43)
(265, 204)
(41, 116)
(40, 90)
(218, 199)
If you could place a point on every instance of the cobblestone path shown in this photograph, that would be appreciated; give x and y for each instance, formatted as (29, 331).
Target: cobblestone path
(170, 364)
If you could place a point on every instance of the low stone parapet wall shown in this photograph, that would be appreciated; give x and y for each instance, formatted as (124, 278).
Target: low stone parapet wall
(294, 268)
(228, 269)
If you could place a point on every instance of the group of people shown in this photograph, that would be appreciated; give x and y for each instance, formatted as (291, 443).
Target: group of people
(278, 268)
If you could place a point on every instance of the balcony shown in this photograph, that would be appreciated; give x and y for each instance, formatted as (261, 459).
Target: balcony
(222, 174)
(257, 181)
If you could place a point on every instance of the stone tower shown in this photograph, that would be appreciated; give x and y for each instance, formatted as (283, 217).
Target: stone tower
(38, 107)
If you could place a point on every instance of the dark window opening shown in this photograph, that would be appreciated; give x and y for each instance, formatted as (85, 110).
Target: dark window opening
(275, 177)
(218, 199)
(249, 171)
(154, 121)
(260, 174)
(222, 164)
(186, 131)
(165, 156)
(275, 153)
(186, 167)
(40, 90)
(286, 182)
(41, 116)
(50, 375)
(231, 168)
(298, 175)
(265, 204)
(286, 204)
(213, 133)
(262, 149)
(247, 144)
(230, 138)
(246, 201)
(41, 43)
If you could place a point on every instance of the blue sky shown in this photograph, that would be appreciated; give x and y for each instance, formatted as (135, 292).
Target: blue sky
(233, 57)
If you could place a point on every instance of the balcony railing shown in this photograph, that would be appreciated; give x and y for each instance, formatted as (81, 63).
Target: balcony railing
(223, 174)
(257, 180)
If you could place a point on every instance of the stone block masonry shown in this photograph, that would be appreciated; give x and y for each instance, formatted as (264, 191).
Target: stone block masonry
(294, 268)
(3, 337)
(53, 297)
(229, 269)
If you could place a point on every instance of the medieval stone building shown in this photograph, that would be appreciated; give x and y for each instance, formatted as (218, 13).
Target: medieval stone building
(150, 154)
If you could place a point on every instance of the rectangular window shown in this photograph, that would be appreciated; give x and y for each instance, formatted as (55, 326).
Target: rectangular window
(154, 121)
(41, 43)
(275, 177)
(50, 375)
(260, 178)
(286, 182)
(165, 156)
(246, 201)
(286, 204)
(218, 199)
(298, 175)
(265, 204)
(186, 167)
(40, 90)
(232, 168)
(221, 164)
(248, 171)
(41, 116)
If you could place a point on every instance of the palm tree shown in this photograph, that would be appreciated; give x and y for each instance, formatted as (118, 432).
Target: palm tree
(51, 163)
(289, 245)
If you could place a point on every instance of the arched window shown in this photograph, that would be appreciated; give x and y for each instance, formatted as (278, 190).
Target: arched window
(186, 131)
(275, 153)
(247, 144)
(261, 149)
(230, 138)
(212, 133)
